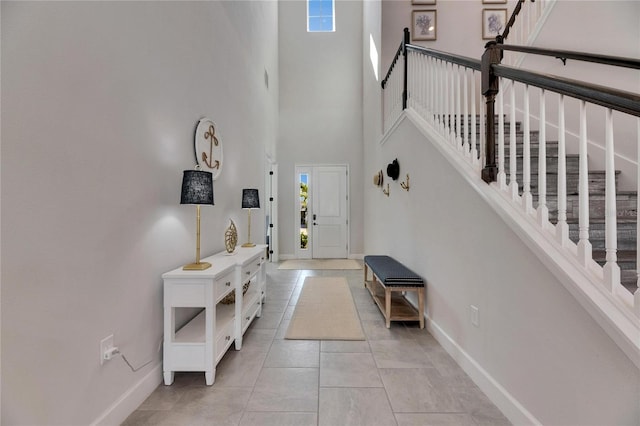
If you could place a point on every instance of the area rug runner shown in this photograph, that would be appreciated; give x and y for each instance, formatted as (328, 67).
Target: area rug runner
(325, 311)
(320, 264)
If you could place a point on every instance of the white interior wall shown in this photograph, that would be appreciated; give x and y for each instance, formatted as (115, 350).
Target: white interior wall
(458, 26)
(534, 339)
(100, 102)
(320, 108)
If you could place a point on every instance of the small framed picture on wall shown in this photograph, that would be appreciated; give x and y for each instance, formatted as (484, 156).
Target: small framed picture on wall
(423, 25)
(493, 22)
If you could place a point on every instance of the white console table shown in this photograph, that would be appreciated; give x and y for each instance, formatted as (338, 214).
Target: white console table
(200, 344)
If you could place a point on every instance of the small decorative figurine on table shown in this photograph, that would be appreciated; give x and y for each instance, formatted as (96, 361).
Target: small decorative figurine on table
(231, 237)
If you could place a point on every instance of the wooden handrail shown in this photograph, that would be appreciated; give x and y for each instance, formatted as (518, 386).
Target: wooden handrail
(402, 50)
(607, 97)
(511, 21)
(563, 55)
(456, 59)
(392, 66)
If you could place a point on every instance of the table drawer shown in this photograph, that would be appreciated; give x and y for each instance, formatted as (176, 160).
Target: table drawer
(249, 313)
(224, 339)
(223, 284)
(251, 267)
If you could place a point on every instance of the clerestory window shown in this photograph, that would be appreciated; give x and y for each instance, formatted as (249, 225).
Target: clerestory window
(321, 16)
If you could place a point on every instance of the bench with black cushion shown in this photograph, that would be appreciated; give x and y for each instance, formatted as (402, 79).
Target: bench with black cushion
(390, 281)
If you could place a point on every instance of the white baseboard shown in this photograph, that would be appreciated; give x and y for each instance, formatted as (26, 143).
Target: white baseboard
(131, 399)
(510, 407)
(293, 257)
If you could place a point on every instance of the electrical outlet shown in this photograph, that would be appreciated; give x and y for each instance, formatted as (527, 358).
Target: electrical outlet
(475, 315)
(105, 345)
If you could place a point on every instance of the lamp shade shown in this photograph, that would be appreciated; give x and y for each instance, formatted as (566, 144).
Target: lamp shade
(197, 187)
(250, 199)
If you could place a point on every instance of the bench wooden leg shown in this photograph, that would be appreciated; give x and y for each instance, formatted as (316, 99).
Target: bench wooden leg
(387, 306)
(365, 274)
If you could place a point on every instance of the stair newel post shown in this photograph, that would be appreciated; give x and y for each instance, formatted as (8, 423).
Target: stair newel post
(611, 268)
(490, 87)
(405, 41)
(584, 245)
(562, 228)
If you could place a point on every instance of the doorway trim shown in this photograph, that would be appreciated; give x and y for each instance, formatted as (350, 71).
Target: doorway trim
(310, 171)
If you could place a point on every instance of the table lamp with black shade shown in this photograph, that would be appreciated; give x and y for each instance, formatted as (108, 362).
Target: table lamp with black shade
(250, 201)
(197, 188)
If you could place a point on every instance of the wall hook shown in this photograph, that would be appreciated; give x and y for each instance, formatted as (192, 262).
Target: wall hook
(386, 192)
(405, 185)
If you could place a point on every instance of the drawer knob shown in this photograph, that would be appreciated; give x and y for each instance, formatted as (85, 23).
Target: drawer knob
(227, 338)
(228, 283)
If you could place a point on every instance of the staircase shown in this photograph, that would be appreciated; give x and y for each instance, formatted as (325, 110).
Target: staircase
(626, 203)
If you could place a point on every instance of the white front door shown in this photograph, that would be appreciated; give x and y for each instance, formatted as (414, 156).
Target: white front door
(329, 218)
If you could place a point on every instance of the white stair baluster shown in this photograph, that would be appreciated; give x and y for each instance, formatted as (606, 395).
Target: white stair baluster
(543, 209)
(502, 176)
(483, 135)
(420, 76)
(465, 117)
(429, 89)
(527, 199)
(452, 105)
(441, 83)
(474, 147)
(416, 77)
(424, 82)
(432, 89)
(584, 245)
(513, 183)
(611, 267)
(562, 228)
(410, 79)
(458, 121)
(446, 117)
(443, 97)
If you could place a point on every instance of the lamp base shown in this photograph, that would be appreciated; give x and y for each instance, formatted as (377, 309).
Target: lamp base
(199, 266)
(248, 245)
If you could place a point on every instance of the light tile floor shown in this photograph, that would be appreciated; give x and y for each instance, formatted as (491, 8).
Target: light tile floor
(399, 376)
